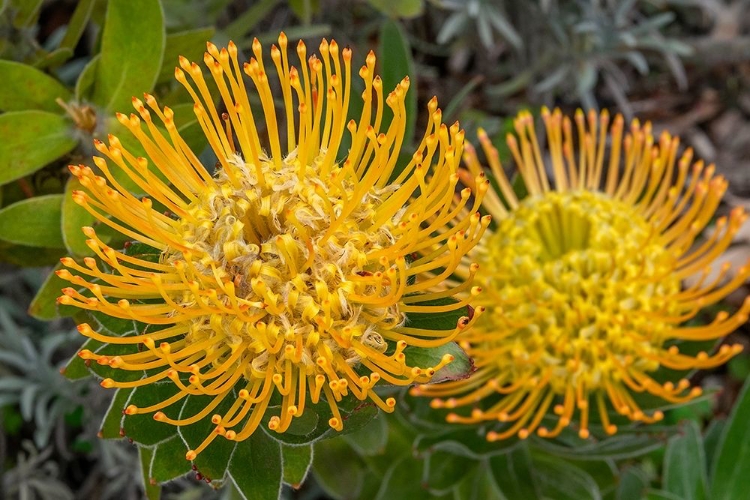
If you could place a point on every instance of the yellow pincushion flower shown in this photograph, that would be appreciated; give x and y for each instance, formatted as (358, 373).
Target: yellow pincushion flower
(284, 272)
(583, 281)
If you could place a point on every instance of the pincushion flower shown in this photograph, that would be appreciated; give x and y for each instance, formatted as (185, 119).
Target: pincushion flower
(287, 273)
(584, 282)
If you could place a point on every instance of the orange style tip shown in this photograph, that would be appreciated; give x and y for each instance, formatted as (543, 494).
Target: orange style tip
(696, 391)
(159, 416)
(190, 455)
(84, 354)
(131, 410)
(66, 261)
(390, 402)
(230, 435)
(658, 415)
(542, 432)
(523, 434)
(584, 434)
(491, 436)
(611, 429)
(107, 383)
(451, 418)
(334, 423)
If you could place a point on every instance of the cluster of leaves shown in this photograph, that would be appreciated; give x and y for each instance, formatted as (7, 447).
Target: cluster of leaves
(410, 457)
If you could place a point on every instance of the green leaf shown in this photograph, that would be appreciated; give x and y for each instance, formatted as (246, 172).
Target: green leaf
(85, 82)
(400, 481)
(142, 428)
(31, 140)
(74, 218)
(711, 439)
(190, 44)
(661, 495)
(618, 447)
(685, 464)
(372, 438)
(249, 19)
(133, 43)
(443, 471)
(338, 470)
(459, 368)
(304, 9)
(312, 425)
(25, 88)
(732, 465)
(262, 456)
(395, 64)
(111, 426)
(29, 256)
(212, 462)
(466, 441)
(514, 473)
(27, 12)
(76, 368)
(297, 461)
(77, 23)
(54, 58)
(34, 222)
(633, 484)
(562, 481)
(44, 304)
(405, 9)
(153, 491)
(436, 321)
(479, 485)
(169, 460)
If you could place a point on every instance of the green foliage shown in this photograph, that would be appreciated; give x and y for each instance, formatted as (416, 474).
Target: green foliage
(31, 140)
(731, 464)
(396, 63)
(27, 88)
(34, 222)
(129, 65)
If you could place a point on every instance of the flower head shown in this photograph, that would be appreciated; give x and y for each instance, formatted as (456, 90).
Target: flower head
(583, 281)
(287, 271)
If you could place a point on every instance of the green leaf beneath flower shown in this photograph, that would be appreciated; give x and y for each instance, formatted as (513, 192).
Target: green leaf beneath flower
(31, 140)
(262, 457)
(460, 368)
(153, 491)
(297, 461)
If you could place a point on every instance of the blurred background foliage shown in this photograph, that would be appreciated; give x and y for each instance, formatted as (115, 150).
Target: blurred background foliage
(66, 67)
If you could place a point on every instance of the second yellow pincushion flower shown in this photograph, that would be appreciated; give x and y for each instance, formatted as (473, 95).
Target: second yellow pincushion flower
(583, 279)
(286, 272)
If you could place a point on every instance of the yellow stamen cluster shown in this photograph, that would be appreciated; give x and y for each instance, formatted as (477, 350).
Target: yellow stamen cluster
(286, 273)
(583, 280)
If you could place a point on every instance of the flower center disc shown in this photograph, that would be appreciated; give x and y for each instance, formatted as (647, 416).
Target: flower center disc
(570, 269)
(276, 252)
